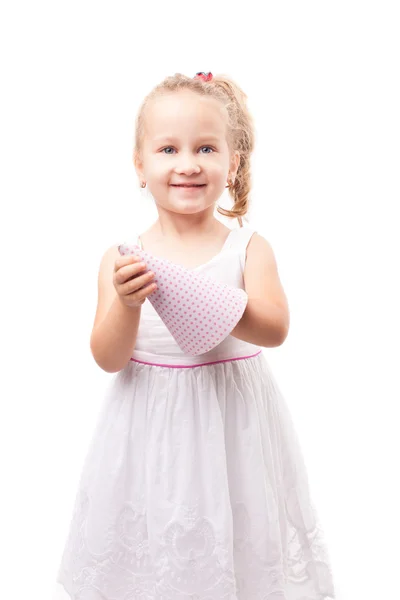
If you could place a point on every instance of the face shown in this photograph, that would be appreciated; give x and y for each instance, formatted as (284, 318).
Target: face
(185, 142)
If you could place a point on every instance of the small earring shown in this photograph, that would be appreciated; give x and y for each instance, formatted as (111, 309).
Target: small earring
(143, 184)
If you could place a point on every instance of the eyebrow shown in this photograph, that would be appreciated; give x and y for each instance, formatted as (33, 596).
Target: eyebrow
(172, 139)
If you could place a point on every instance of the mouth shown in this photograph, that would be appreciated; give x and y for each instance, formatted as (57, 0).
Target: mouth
(185, 185)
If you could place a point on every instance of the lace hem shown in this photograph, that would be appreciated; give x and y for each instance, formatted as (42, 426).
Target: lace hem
(190, 559)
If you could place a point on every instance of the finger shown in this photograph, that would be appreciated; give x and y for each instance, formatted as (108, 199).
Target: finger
(143, 292)
(126, 260)
(137, 282)
(127, 272)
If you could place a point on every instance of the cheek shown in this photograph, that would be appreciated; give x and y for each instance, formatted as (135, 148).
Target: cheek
(217, 172)
(159, 169)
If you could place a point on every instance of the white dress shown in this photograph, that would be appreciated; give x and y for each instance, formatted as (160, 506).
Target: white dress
(194, 486)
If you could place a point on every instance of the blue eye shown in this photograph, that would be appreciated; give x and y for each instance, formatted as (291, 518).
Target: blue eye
(168, 147)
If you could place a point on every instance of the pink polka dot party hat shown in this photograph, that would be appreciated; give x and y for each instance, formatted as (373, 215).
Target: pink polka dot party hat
(199, 311)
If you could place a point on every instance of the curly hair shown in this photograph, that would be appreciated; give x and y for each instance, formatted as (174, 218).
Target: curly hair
(241, 136)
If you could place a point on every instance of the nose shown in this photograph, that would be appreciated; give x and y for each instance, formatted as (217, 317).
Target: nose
(187, 164)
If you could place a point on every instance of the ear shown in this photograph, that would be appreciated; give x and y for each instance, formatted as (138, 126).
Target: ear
(235, 162)
(137, 164)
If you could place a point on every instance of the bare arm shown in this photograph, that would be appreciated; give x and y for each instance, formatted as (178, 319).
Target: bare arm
(115, 325)
(266, 320)
(113, 340)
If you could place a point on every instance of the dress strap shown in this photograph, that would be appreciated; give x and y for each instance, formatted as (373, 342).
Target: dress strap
(239, 242)
(244, 235)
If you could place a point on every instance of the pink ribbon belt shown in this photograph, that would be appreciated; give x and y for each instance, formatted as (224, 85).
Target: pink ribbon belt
(214, 362)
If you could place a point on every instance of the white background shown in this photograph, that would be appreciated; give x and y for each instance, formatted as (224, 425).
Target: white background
(322, 80)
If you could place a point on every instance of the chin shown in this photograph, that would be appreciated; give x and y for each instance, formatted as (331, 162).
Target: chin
(189, 209)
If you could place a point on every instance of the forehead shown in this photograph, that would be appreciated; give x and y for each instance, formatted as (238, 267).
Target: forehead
(185, 113)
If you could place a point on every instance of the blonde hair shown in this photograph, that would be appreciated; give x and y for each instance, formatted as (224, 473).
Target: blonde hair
(240, 128)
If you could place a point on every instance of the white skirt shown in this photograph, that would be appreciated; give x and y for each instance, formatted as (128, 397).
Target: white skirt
(194, 487)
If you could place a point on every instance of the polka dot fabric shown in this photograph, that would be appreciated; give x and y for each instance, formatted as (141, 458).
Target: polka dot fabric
(199, 311)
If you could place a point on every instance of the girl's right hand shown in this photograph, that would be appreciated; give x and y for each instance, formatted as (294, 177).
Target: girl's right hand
(131, 286)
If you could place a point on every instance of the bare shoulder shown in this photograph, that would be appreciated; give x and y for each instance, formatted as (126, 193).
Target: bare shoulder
(107, 262)
(105, 285)
(111, 254)
(261, 276)
(259, 245)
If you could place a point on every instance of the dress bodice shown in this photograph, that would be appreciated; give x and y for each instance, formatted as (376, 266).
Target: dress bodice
(154, 342)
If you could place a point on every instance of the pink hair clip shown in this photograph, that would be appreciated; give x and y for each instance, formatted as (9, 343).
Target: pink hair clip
(203, 76)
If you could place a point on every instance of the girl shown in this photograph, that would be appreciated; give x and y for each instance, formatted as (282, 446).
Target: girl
(194, 486)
